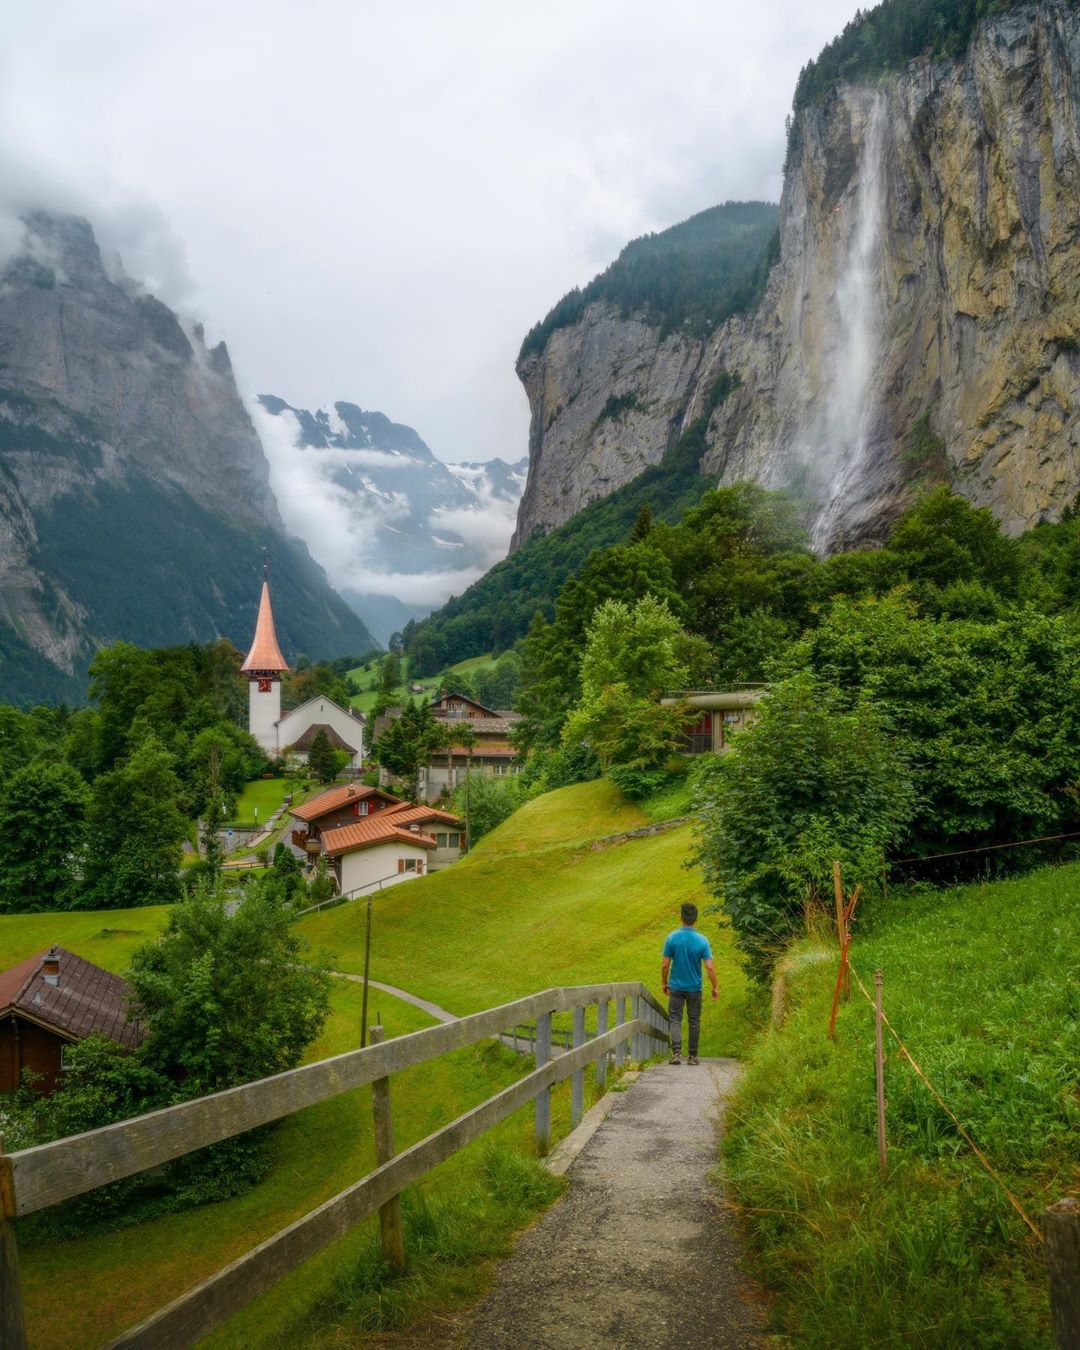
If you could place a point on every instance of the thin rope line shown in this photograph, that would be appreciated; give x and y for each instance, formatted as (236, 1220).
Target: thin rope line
(985, 848)
(948, 1110)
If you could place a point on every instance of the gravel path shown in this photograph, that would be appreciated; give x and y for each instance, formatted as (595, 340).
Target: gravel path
(640, 1251)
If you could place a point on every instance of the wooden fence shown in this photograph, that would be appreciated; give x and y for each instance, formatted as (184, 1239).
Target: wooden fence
(34, 1178)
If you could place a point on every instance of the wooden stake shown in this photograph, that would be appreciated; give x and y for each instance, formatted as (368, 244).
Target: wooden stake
(12, 1321)
(391, 1228)
(1061, 1240)
(543, 1097)
(879, 1057)
(841, 930)
(601, 1027)
(577, 1081)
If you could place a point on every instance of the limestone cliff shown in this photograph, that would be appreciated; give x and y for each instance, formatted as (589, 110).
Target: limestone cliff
(923, 319)
(134, 492)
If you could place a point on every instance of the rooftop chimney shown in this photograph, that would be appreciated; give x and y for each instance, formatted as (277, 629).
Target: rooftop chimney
(50, 966)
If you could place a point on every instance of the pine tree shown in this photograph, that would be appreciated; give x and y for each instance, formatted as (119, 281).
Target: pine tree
(321, 758)
(643, 525)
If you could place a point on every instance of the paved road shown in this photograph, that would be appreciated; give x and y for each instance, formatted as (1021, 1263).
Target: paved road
(639, 1252)
(432, 1009)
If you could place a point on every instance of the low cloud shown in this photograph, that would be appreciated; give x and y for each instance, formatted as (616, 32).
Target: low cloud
(341, 529)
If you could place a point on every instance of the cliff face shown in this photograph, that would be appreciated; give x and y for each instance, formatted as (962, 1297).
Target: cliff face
(607, 396)
(924, 318)
(134, 492)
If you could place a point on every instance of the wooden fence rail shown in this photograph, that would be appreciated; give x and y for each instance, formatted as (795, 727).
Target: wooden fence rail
(34, 1178)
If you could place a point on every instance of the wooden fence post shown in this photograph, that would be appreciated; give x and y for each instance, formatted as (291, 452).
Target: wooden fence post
(543, 1097)
(620, 1018)
(391, 1229)
(601, 1028)
(879, 1058)
(635, 1013)
(1061, 1241)
(577, 1079)
(841, 928)
(12, 1322)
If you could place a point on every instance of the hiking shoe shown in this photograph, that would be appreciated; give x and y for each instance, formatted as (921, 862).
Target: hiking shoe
(675, 1059)
(693, 1060)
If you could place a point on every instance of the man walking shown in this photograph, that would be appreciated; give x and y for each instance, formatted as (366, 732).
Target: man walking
(680, 973)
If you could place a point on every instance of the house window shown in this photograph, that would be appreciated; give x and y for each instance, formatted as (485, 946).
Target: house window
(699, 735)
(454, 840)
(440, 839)
(406, 864)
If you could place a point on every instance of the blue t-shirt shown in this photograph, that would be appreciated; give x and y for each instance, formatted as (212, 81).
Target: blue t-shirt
(687, 950)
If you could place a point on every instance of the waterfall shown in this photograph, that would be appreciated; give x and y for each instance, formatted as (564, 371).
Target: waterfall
(848, 401)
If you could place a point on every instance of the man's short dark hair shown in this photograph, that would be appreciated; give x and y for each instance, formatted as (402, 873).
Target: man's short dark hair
(689, 913)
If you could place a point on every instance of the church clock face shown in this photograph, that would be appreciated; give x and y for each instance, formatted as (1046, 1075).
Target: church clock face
(265, 684)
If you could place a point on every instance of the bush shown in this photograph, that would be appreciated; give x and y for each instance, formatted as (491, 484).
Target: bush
(808, 782)
(637, 784)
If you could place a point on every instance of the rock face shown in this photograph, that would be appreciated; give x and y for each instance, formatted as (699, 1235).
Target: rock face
(923, 320)
(134, 493)
(608, 396)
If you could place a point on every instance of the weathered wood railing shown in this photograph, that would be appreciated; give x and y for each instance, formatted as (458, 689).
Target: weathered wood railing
(46, 1175)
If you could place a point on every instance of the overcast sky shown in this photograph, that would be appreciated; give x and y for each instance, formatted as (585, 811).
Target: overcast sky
(374, 202)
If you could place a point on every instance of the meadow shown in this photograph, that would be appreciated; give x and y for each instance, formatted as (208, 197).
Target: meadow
(983, 985)
(364, 676)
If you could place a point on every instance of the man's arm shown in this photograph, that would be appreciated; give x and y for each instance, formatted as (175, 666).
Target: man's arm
(711, 970)
(665, 966)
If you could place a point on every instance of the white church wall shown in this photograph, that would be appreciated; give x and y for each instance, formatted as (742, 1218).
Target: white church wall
(264, 709)
(325, 711)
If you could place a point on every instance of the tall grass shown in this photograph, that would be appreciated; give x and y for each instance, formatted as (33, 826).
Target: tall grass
(983, 984)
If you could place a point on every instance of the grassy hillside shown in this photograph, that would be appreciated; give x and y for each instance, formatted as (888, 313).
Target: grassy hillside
(539, 903)
(983, 984)
(365, 675)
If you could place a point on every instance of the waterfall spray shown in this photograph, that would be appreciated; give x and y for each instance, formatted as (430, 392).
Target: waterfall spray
(848, 400)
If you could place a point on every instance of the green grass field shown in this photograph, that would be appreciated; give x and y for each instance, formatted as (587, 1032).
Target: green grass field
(983, 984)
(539, 903)
(524, 911)
(365, 700)
(260, 799)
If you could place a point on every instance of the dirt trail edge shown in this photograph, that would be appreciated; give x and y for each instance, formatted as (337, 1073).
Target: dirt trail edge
(640, 1252)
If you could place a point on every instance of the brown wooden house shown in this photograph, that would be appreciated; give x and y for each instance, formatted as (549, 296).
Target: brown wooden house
(334, 808)
(47, 1004)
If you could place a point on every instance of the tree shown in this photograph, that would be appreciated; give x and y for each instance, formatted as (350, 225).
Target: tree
(321, 758)
(135, 829)
(43, 808)
(811, 780)
(408, 742)
(389, 673)
(642, 525)
(227, 998)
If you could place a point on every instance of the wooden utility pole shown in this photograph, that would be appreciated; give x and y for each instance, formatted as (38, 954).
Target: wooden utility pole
(367, 969)
(391, 1228)
(1061, 1240)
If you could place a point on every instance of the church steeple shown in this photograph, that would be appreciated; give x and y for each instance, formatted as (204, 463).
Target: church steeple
(263, 666)
(265, 654)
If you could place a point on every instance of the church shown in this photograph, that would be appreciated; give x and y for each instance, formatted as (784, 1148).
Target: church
(294, 731)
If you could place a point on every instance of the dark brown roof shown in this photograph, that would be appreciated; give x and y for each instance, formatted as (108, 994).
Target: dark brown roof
(336, 798)
(337, 742)
(461, 698)
(265, 654)
(85, 1000)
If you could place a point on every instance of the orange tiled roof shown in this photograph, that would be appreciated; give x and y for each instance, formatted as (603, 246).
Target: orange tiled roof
(336, 798)
(372, 831)
(265, 654)
(422, 813)
(86, 999)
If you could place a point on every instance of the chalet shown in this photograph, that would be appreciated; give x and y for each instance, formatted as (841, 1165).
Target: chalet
(338, 806)
(396, 839)
(493, 754)
(50, 1002)
(716, 716)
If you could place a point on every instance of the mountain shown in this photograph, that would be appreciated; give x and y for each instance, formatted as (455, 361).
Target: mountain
(608, 371)
(405, 512)
(135, 498)
(919, 320)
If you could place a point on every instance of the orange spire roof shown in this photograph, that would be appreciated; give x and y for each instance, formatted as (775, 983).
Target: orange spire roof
(265, 654)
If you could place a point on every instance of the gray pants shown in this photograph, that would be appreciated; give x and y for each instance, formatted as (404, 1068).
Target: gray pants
(676, 999)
